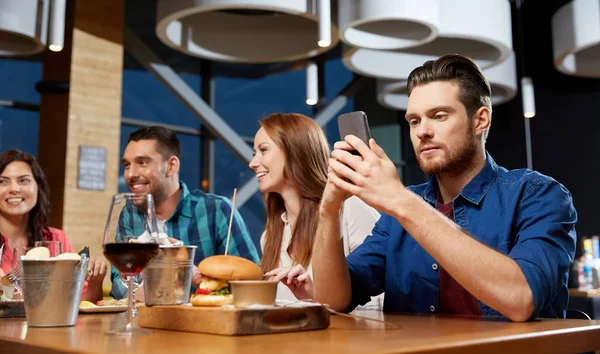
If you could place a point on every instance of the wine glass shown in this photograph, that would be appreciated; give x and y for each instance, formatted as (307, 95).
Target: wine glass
(130, 243)
(138, 281)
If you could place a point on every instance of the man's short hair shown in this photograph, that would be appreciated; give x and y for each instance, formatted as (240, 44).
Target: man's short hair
(474, 89)
(166, 140)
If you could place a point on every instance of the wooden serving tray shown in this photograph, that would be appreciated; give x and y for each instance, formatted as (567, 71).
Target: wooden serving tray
(234, 321)
(12, 309)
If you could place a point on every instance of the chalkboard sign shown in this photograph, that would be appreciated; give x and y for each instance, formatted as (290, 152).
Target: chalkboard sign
(92, 168)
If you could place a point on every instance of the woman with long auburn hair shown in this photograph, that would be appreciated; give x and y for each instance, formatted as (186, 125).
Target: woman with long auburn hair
(24, 213)
(290, 162)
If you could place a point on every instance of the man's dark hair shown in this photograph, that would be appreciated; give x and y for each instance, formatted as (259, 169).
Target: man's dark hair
(474, 89)
(166, 140)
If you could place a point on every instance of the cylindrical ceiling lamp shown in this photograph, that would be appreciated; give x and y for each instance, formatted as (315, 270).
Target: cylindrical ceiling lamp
(528, 96)
(243, 31)
(56, 23)
(385, 24)
(23, 27)
(486, 38)
(576, 38)
(502, 79)
(312, 83)
(324, 12)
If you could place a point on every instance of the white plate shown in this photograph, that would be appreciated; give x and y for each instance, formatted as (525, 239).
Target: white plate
(102, 309)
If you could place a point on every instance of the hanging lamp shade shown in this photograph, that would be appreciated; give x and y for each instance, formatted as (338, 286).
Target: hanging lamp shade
(385, 24)
(243, 31)
(23, 27)
(486, 38)
(502, 78)
(576, 38)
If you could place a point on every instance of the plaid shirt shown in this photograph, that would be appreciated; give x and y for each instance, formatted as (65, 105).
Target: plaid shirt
(200, 219)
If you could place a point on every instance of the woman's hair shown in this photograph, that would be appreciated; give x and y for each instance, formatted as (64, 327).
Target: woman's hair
(306, 152)
(38, 216)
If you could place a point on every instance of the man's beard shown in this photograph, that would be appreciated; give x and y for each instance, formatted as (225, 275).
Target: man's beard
(457, 160)
(158, 192)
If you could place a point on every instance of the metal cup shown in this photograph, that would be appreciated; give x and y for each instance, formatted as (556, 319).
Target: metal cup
(52, 291)
(168, 277)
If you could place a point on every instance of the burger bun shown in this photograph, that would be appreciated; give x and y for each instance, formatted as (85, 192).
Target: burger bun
(212, 300)
(230, 268)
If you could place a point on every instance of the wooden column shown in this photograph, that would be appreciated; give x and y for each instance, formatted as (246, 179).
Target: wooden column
(88, 115)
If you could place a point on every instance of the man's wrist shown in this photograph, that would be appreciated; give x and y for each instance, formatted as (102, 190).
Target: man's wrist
(401, 203)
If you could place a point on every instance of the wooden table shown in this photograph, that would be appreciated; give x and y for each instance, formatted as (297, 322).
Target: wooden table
(584, 293)
(418, 333)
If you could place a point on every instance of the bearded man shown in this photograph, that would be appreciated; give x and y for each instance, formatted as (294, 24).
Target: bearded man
(151, 162)
(476, 239)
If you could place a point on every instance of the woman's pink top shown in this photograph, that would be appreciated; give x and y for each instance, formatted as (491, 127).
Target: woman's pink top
(54, 235)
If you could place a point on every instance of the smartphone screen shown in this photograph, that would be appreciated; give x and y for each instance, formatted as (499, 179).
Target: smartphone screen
(354, 123)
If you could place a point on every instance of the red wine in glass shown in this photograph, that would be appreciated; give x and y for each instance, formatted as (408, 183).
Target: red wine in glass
(130, 242)
(130, 258)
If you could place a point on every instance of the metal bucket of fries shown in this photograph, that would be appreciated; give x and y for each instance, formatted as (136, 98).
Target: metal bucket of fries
(52, 290)
(168, 277)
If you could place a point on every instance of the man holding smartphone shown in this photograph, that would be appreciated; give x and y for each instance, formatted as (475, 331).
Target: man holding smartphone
(476, 239)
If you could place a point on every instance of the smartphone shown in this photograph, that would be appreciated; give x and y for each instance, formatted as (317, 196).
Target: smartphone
(354, 123)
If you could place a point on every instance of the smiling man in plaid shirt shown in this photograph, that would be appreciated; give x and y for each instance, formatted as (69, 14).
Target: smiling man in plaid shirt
(151, 161)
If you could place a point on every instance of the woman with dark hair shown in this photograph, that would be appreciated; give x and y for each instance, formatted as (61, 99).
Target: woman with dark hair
(24, 212)
(290, 162)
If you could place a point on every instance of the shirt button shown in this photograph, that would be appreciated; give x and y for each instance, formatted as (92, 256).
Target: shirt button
(434, 266)
(432, 308)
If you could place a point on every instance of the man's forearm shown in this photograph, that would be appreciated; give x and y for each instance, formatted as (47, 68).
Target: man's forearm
(330, 271)
(490, 276)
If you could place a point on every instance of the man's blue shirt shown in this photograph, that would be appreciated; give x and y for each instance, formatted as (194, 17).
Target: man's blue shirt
(523, 214)
(200, 219)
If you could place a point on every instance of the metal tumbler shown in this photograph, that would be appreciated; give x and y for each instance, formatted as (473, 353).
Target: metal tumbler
(168, 277)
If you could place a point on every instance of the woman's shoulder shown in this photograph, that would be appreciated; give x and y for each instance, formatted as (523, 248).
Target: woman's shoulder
(60, 235)
(355, 207)
(56, 234)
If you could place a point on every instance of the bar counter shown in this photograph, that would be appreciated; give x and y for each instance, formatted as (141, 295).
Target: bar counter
(400, 334)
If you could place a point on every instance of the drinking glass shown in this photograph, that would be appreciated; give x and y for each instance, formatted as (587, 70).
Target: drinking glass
(55, 247)
(130, 243)
(15, 267)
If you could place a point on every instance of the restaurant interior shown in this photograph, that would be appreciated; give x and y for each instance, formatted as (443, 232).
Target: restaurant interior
(79, 76)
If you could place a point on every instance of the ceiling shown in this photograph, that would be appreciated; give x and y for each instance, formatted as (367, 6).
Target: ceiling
(536, 50)
(141, 17)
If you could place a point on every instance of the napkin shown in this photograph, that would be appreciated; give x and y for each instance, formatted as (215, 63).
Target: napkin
(85, 252)
(162, 239)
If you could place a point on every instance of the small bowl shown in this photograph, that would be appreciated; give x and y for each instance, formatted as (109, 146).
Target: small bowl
(253, 292)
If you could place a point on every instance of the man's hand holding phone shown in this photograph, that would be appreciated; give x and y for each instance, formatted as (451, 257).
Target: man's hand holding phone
(372, 176)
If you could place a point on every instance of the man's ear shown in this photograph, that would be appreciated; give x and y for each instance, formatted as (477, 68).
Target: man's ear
(172, 166)
(482, 119)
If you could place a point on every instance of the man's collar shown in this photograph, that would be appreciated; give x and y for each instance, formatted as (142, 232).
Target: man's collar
(475, 190)
(183, 207)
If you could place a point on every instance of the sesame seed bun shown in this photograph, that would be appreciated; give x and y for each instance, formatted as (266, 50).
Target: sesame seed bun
(230, 268)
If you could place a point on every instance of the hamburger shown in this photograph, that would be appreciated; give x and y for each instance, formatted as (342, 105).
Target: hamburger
(216, 272)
